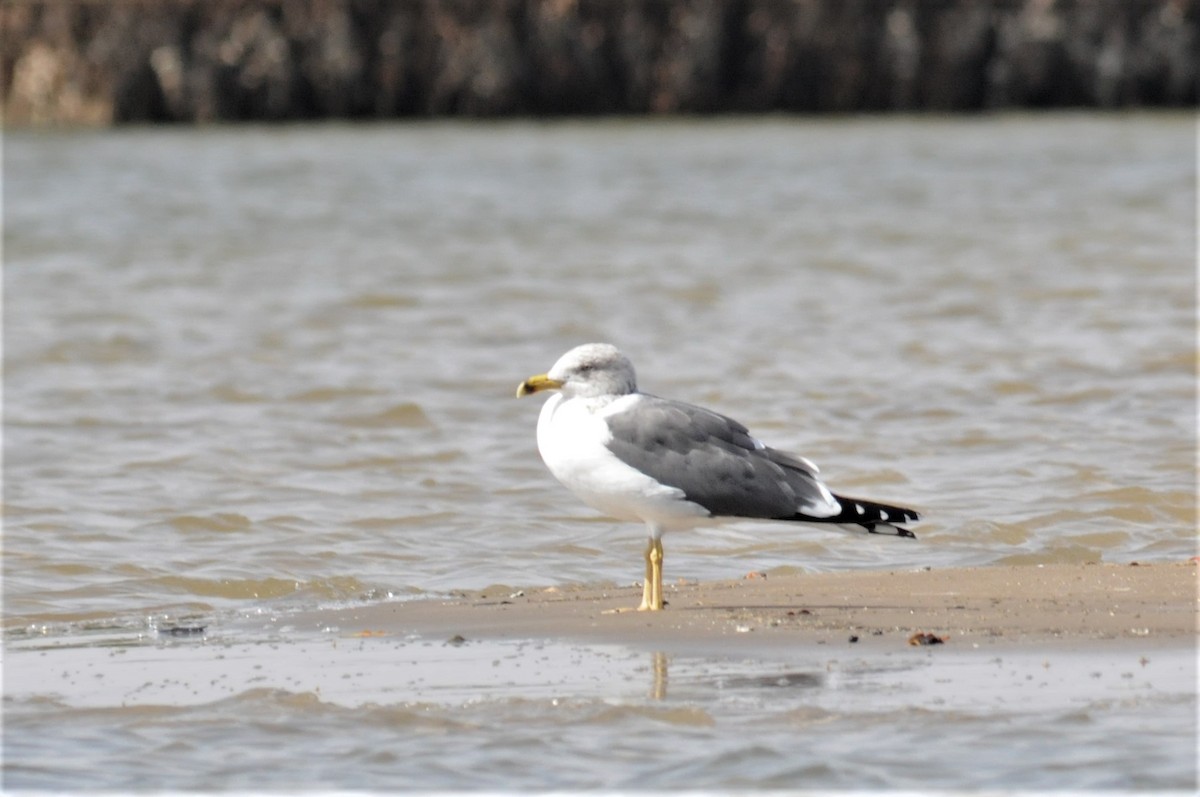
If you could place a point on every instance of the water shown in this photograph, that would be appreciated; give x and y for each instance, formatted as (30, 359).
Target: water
(271, 369)
(385, 714)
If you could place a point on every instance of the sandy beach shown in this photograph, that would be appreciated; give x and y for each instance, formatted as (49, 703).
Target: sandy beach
(1074, 664)
(969, 606)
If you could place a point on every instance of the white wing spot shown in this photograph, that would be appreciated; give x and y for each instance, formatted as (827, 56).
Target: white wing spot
(859, 508)
(883, 515)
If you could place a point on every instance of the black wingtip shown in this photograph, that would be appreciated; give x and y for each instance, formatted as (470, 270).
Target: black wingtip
(889, 529)
(876, 518)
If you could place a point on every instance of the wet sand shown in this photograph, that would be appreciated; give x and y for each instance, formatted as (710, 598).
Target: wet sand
(1088, 670)
(482, 642)
(973, 607)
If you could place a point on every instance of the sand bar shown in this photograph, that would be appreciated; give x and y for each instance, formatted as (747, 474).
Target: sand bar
(967, 607)
(1085, 633)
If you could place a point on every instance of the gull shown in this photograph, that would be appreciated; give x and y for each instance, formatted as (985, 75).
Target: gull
(672, 465)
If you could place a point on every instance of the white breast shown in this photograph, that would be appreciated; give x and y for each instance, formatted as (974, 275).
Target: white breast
(572, 438)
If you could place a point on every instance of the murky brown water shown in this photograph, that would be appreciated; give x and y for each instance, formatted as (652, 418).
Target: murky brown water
(261, 370)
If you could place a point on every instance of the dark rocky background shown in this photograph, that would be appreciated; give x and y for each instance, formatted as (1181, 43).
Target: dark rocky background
(221, 60)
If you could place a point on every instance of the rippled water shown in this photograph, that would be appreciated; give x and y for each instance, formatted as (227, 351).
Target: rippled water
(388, 714)
(267, 369)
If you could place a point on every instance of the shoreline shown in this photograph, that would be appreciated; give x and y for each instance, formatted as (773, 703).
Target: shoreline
(968, 607)
(1048, 655)
(1086, 630)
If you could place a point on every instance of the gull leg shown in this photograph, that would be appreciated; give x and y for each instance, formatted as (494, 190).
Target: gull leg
(658, 558)
(654, 589)
(647, 585)
(648, 581)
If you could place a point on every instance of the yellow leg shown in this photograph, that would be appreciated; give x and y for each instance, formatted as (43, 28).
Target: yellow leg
(652, 597)
(652, 589)
(658, 563)
(648, 581)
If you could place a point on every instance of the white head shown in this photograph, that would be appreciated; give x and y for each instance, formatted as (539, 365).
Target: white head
(593, 369)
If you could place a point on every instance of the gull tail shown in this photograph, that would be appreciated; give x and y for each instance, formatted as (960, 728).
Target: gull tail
(876, 518)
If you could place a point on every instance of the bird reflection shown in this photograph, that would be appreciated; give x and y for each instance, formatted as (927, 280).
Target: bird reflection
(658, 665)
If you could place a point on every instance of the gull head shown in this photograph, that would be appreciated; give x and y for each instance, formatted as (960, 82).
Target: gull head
(593, 369)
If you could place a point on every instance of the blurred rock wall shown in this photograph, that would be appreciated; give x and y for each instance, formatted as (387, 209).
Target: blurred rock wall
(119, 61)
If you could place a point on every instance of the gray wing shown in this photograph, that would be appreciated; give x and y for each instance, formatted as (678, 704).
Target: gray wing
(715, 461)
